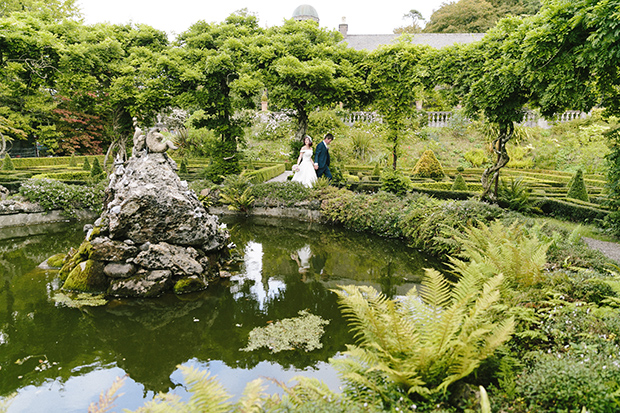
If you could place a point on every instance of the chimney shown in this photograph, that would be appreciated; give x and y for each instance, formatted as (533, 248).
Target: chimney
(343, 28)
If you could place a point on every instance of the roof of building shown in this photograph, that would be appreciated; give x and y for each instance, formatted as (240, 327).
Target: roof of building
(305, 11)
(436, 40)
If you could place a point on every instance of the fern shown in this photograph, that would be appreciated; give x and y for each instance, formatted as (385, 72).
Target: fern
(107, 398)
(495, 249)
(252, 400)
(6, 402)
(236, 192)
(425, 341)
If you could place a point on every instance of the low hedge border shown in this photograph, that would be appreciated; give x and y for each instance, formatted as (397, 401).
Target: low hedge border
(572, 210)
(24, 163)
(265, 174)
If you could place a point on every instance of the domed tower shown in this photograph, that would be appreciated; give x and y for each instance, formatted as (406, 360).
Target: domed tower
(306, 12)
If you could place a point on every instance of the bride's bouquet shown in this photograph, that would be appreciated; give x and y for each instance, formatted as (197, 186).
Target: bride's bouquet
(295, 168)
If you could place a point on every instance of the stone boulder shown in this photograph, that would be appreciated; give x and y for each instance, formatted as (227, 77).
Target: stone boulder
(154, 235)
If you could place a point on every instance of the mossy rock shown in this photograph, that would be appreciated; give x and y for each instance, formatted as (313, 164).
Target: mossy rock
(56, 260)
(87, 276)
(459, 183)
(189, 285)
(577, 188)
(82, 254)
(428, 166)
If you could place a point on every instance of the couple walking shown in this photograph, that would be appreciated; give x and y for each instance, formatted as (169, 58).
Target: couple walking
(308, 171)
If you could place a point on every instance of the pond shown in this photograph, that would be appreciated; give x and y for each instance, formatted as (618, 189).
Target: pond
(55, 358)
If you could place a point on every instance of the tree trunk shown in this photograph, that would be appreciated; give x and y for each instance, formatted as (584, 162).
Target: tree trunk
(394, 155)
(302, 125)
(2, 146)
(490, 176)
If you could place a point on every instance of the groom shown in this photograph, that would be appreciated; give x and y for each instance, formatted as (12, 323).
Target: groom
(321, 157)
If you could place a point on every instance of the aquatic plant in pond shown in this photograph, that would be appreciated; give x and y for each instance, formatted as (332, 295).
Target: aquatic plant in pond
(148, 339)
(302, 332)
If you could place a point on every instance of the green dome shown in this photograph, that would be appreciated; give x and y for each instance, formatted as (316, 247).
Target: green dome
(305, 12)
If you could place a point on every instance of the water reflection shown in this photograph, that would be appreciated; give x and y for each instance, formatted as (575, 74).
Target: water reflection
(60, 359)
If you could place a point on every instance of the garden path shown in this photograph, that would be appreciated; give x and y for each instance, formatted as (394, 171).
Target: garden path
(610, 249)
(282, 177)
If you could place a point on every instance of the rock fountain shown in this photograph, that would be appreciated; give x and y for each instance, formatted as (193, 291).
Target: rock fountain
(153, 236)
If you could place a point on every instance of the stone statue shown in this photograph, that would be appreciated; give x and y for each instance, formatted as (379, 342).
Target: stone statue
(139, 140)
(155, 141)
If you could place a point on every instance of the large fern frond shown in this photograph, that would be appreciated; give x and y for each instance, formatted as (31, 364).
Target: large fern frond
(164, 403)
(208, 395)
(106, 398)
(253, 397)
(309, 389)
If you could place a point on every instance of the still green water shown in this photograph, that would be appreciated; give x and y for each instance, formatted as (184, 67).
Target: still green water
(59, 359)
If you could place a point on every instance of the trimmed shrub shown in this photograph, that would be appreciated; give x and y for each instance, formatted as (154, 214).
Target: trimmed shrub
(428, 166)
(572, 211)
(183, 167)
(577, 187)
(459, 183)
(65, 176)
(72, 161)
(7, 164)
(264, 174)
(395, 182)
(86, 165)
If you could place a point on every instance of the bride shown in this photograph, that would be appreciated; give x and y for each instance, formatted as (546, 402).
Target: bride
(305, 172)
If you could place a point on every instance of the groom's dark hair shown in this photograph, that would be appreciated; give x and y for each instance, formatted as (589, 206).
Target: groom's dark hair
(329, 136)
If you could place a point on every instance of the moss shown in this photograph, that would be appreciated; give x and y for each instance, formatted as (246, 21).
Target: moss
(428, 166)
(459, 183)
(94, 233)
(82, 254)
(188, 285)
(577, 188)
(87, 276)
(56, 260)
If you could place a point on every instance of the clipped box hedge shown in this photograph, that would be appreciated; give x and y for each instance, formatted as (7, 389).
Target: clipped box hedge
(572, 210)
(265, 174)
(65, 176)
(26, 163)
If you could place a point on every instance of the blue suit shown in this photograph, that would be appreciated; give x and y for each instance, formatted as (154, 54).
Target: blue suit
(321, 158)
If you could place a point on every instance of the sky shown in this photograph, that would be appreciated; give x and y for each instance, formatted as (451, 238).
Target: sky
(176, 16)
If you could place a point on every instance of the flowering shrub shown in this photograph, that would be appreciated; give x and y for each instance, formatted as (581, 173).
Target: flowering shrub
(272, 126)
(51, 194)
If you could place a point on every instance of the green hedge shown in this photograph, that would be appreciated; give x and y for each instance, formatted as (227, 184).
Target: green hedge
(446, 194)
(265, 174)
(65, 176)
(24, 163)
(572, 211)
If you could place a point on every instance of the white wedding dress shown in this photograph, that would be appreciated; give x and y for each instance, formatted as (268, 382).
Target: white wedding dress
(306, 174)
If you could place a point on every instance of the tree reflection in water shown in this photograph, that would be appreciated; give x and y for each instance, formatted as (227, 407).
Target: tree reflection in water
(147, 339)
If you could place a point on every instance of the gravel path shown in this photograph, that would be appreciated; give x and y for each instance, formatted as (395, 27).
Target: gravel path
(610, 249)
